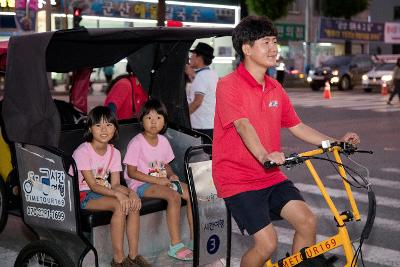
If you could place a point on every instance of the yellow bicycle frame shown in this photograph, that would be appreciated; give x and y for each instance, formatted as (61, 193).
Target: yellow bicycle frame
(342, 238)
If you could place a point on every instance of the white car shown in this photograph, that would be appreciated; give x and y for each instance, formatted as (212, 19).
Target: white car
(380, 74)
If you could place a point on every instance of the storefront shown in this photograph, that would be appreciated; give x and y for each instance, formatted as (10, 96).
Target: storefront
(122, 13)
(291, 50)
(334, 32)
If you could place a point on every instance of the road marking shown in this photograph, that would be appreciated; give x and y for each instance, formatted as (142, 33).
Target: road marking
(373, 180)
(7, 257)
(375, 103)
(387, 224)
(395, 170)
(341, 193)
(373, 254)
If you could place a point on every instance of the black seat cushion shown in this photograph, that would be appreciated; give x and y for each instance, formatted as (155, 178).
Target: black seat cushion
(90, 219)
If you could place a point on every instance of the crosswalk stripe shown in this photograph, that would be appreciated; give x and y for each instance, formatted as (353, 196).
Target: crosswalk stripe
(6, 255)
(358, 102)
(395, 170)
(373, 254)
(338, 193)
(387, 224)
(374, 181)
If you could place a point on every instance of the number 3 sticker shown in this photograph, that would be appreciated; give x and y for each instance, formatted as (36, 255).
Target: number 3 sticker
(213, 244)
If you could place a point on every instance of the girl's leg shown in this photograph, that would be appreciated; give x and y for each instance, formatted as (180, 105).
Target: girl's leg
(132, 231)
(117, 224)
(173, 210)
(186, 197)
(304, 222)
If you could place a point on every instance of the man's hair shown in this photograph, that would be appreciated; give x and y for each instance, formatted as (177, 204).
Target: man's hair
(206, 60)
(250, 29)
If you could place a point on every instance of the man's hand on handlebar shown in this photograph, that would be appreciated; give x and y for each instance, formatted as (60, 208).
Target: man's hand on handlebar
(351, 138)
(275, 157)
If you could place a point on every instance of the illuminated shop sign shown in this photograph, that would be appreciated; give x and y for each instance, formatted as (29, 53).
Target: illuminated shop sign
(7, 5)
(290, 32)
(10, 5)
(350, 30)
(148, 11)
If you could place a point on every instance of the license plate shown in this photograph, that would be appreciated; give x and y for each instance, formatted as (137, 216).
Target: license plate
(318, 78)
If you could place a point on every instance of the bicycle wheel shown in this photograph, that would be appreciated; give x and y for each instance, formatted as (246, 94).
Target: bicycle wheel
(3, 205)
(43, 253)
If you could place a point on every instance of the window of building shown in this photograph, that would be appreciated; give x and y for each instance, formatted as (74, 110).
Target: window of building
(294, 8)
(396, 15)
(396, 49)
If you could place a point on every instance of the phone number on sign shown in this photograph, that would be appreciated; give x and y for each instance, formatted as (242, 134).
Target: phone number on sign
(45, 213)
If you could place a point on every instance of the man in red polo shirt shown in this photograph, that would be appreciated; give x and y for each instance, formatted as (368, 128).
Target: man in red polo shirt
(251, 109)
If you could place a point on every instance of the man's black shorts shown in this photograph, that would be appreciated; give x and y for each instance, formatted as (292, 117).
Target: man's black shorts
(253, 210)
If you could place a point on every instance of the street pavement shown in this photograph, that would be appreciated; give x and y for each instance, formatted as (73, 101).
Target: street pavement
(379, 127)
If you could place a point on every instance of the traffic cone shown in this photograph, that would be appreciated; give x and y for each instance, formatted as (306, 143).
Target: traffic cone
(384, 89)
(327, 90)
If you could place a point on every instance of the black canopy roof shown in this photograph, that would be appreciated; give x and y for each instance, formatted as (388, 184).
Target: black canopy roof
(157, 55)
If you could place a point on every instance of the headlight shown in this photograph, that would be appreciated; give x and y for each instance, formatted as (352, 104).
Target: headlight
(309, 79)
(364, 77)
(334, 80)
(387, 78)
(281, 66)
(335, 72)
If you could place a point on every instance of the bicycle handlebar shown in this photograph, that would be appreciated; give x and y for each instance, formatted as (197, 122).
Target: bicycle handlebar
(295, 159)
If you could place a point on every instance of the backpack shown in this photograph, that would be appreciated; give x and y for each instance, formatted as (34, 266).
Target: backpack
(139, 95)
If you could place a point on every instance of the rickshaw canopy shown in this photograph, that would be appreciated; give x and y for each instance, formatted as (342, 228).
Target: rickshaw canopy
(157, 55)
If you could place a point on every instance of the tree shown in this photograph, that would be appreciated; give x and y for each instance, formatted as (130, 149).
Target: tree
(343, 9)
(273, 9)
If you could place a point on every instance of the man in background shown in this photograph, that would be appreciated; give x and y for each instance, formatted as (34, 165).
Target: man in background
(204, 83)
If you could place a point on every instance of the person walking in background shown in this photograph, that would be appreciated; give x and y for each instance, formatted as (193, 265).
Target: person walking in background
(202, 107)
(125, 95)
(396, 82)
(108, 73)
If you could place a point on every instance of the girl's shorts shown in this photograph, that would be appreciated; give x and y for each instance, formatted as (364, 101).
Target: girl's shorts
(141, 189)
(85, 196)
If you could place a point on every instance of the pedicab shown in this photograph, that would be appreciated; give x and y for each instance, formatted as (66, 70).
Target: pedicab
(41, 150)
(41, 147)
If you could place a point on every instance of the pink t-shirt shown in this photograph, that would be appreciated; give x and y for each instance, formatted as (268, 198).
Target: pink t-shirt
(87, 159)
(148, 159)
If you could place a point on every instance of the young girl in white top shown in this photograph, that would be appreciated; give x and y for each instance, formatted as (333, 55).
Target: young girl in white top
(148, 173)
(97, 161)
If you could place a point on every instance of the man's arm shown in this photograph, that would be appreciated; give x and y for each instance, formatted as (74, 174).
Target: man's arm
(196, 103)
(253, 143)
(312, 136)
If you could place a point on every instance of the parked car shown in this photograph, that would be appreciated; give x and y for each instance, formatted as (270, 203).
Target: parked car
(377, 76)
(341, 71)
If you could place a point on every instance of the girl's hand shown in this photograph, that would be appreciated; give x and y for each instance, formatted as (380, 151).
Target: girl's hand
(135, 201)
(174, 177)
(163, 181)
(123, 201)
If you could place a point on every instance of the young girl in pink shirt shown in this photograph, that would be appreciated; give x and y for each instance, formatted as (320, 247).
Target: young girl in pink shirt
(148, 173)
(97, 161)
